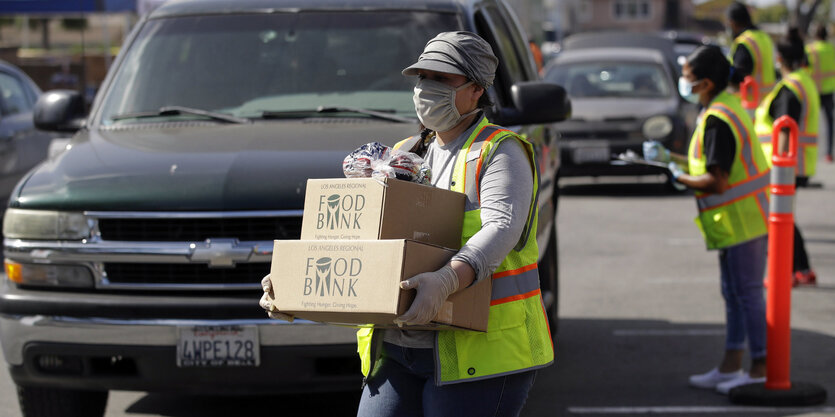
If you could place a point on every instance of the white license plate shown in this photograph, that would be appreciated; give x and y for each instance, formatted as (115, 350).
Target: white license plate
(595, 154)
(216, 346)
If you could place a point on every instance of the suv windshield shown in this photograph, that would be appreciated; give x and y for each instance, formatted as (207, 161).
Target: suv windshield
(611, 79)
(249, 65)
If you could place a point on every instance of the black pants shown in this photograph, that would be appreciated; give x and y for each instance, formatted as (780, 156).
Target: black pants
(801, 260)
(828, 105)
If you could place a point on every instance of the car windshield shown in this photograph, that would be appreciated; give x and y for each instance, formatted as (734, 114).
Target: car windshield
(249, 65)
(611, 79)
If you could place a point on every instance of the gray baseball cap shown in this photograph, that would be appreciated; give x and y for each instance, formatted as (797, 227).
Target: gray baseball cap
(462, 53)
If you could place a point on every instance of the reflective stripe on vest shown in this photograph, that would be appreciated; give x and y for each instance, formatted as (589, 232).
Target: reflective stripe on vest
(738, 191)
(738, 127)
(803, 125)
(513, 285)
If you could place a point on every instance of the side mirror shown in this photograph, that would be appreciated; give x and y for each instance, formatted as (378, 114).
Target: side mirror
(536, 102)
(59, 111)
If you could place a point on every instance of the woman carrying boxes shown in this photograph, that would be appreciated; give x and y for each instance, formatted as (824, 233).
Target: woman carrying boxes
(458, 372)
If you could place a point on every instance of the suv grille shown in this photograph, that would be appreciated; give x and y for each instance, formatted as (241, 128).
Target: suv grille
(147, 273)
(200, 229)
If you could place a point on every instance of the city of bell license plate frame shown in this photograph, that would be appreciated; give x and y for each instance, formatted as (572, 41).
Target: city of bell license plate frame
(593, 152)
(218, 346)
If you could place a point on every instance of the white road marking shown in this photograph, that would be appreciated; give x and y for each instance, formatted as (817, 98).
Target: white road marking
(669, 332)
(697, 410)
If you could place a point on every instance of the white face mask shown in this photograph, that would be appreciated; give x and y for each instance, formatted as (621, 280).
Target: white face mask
(435, 104)
(685, 88)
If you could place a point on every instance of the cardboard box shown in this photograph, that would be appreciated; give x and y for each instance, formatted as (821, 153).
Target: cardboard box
(358, 282)
(372, 209)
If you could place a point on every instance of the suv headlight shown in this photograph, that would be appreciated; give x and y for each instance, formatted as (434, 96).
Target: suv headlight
(45, 224)
(657, 127)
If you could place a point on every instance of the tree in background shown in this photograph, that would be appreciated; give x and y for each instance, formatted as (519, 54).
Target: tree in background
(804, 13)
(771, 14)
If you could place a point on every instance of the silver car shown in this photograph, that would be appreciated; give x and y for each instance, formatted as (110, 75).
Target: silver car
(621, 96)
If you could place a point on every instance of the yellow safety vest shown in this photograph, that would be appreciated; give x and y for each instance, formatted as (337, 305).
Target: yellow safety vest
(799, 83)
(761, 48)
(518, 338)
(821, 56)
(741, 212)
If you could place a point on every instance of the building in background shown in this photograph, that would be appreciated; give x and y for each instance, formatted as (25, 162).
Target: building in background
(630, 15)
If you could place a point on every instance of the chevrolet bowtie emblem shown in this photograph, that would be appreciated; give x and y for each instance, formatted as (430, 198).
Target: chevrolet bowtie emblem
(220, 252)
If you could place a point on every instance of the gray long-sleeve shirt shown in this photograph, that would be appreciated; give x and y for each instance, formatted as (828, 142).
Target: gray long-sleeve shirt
(506, 191)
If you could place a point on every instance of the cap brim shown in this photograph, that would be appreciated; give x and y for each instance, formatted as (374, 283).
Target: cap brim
(432, 65)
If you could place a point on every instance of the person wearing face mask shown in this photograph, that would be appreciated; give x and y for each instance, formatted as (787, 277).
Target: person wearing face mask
(730, 176)
(751, 51)
(449, 372)
(795, 96)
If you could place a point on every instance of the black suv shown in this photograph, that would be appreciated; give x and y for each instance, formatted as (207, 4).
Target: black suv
(134, 258)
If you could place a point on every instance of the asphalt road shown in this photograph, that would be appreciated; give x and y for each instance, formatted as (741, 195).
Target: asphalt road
(640, 307)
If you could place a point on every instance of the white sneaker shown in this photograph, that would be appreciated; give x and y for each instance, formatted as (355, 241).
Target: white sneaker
(745, 379)
(713, 378)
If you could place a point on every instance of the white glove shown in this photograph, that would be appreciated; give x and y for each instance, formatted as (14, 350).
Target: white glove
(675, 170)
(267, 301)
(655, 151)
(433, 288)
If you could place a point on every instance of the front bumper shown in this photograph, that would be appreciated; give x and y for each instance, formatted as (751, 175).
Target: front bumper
(128, 342)
(141, 356)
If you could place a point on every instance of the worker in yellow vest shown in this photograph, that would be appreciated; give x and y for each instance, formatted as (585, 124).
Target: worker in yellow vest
(730, 176)
(797, 97)
(464, 372)
(821, 57)
(752, 52)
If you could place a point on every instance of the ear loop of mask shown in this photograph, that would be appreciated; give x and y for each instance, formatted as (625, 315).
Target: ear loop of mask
(459, 88)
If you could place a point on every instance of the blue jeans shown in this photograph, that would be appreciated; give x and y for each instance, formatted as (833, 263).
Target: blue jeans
(743, 269)
(404, 385)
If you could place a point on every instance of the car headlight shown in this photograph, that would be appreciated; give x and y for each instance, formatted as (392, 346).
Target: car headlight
(657, 127)
(45, 224)
(49, 275)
